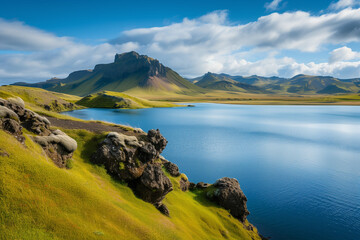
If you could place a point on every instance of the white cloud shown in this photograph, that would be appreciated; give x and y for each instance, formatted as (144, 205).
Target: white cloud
(343, 54)
(17, 36)
(273, 5)
(195, 46)
(341, 4)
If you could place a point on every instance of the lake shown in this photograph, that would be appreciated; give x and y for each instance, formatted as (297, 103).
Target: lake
(299, 166)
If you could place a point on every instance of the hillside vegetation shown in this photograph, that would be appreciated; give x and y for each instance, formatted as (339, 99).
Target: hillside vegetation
(39, 200)
(42, 201)
(108, 99)
(129, 71)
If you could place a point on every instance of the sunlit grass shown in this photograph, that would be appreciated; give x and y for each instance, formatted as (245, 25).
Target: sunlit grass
(40, 201)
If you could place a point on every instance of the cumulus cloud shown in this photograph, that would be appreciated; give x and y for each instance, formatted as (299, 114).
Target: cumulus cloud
(40, 66)
(17, 36)
(343, 54)
(296, 30)
(195, 46)
(274, 5)
(341, 4)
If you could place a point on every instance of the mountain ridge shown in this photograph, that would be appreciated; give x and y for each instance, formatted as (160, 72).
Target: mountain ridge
(129, 71)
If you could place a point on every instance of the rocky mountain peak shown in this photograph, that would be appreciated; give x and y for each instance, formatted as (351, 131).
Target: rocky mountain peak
(136, 61)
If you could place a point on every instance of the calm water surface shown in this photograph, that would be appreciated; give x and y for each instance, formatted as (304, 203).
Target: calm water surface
(299, 166)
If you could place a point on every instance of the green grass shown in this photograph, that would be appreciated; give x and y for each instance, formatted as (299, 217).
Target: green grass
(40, 201)
(108, 99)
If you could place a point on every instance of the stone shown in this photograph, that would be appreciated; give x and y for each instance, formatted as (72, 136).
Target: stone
(157, 139)
(153, 185)
(202, 185)
(229, 195)
(163, 209)
(58, 146)
(172, 168)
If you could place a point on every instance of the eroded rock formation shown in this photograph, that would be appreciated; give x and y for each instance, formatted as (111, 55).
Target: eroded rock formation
(136, 160)
(14, 117)
(229, 195)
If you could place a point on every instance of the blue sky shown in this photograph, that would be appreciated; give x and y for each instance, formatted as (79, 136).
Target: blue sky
(44, 39)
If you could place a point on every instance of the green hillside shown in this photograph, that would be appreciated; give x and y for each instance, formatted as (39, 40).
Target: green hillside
(226, 83)
(39, 200)
(129, 71)
(109, 99)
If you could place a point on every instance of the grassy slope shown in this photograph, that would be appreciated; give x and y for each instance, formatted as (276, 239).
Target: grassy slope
(108, 99)
(40, 201)
(35, 98)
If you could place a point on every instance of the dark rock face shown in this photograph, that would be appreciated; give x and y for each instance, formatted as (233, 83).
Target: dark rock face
(58, 146)
(9, 122)
(172, 168)
(135, 160)
(163, 209)
(14, 116)
(153, 185)
(229, 195)
(157, 140)
(29, 120)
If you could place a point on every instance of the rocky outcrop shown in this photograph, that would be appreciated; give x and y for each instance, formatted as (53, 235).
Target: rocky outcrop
(9, 122)
(14, 116)
(152, 185)
(229, 195)
(172, 168)
(58, 146)
(136, 161)
(29, 119)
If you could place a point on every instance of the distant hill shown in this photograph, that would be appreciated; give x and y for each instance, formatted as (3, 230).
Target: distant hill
(226, 83)
(129, 72)
(299, 84)
(108, 99)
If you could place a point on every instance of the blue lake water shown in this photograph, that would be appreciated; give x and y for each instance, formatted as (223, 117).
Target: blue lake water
(299, 166)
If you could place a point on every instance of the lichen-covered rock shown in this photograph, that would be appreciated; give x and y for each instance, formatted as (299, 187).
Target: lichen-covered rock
(153, 185)
(58, 146)
(172, 168)
(9, 122)
(35, 123)
(229, 195)
(135, 160)
(157, 139)
(125, 157)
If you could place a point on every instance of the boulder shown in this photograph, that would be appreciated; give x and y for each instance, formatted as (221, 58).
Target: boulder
(172, 168)
(153, 185)
(229, 195)
(135, 161)
(125, 157)
(58, 146)
(202, 185)
(35, 123)
(163, 209)
(192, 186)
(9, 122)
(157, 139)
(184, 183)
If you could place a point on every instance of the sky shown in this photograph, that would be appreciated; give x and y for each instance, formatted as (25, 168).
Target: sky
(44, 39)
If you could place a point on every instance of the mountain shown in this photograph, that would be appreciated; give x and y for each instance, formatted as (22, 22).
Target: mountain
(129, 72)
(226, 83)
(299, 84)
